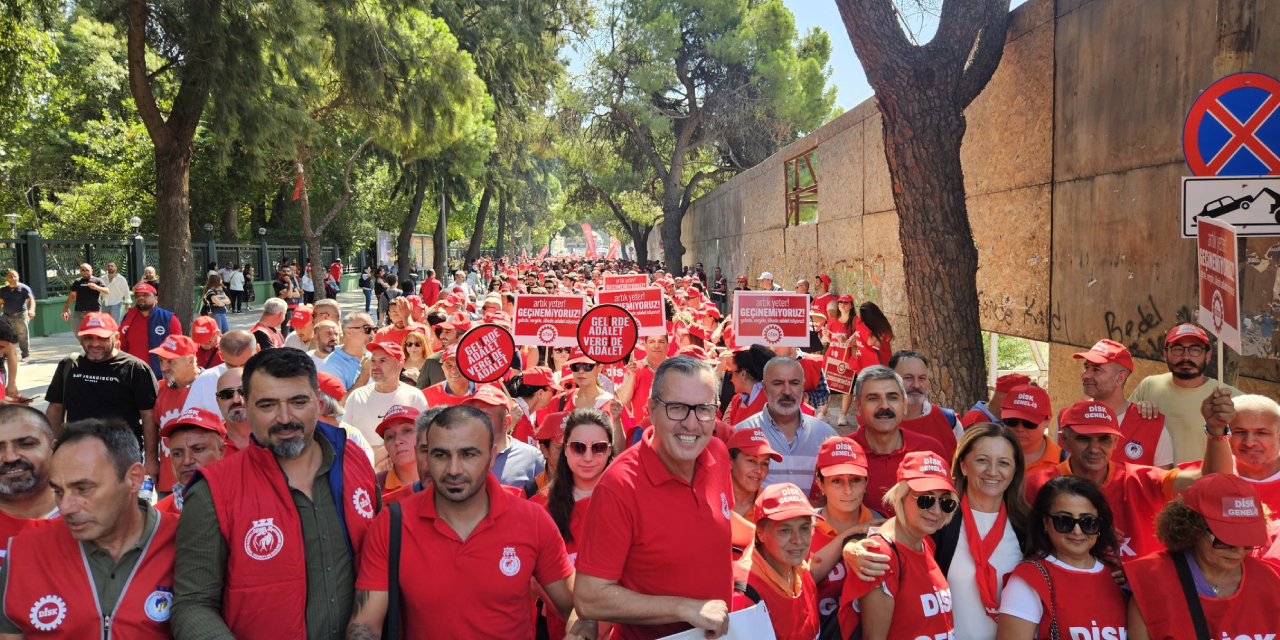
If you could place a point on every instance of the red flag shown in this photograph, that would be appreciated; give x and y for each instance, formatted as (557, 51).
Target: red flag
(591, 241)
(297, 191)
(614, 248)
(542, 254)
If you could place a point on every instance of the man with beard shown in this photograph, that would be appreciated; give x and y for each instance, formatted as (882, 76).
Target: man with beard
(106, 383)
(454, 531)
(1143, 440)
(146, 325)
(366, 406)
(326, 336)
(791, 432)
(921, 416)
(236, 348)
(1180, 392)
(108, 553)
(235, 416)
(194, 439)
(267, 536)
(301, 321)
(179, 369)
(880, 402)
(449, 332)
(26, 444)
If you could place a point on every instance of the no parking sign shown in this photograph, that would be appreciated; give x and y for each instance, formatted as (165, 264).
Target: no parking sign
(1233, 128)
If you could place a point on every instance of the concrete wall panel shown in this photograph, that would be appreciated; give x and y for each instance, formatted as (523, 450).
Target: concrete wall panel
(877, 190)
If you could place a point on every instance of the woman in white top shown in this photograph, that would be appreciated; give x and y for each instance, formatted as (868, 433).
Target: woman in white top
(586, 382)
(308, 287)
(235, 284)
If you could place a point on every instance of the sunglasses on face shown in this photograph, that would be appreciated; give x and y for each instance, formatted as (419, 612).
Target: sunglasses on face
(597, 448)
(1019, 422)
(1218, 544)
(1089, 525)
(581, 367)
(229, 393)
(926, 502)
(413, 344)
(366, 329)
(563, 349)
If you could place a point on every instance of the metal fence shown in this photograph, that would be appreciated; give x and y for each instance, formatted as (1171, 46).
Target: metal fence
(62, 260)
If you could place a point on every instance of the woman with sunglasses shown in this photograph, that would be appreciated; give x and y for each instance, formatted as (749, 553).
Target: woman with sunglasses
(587, 452)
(1065, 582)
(417, 348)
(554, 358)
(913, 598)
(586, 382)
(1208, 567)
(749, 458)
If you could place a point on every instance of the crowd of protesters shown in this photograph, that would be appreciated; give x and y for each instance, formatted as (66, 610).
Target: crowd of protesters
(335, 474)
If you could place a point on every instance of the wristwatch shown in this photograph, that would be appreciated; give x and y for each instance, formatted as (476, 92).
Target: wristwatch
(1226, 434)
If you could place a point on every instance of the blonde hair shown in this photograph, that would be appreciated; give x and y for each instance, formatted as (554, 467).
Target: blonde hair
(896, 497)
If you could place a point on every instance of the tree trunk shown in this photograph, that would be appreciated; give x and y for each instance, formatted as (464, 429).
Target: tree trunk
(404, 242)
(641, 242)
(477, 235)
(257, 217)
(440, 240)
(231, 221)
(502, 226)
(177, 267)
(672, 247)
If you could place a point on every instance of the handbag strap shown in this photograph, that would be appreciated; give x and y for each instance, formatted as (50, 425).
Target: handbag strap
(391, 629)
(1189, 594)
(1053, 604)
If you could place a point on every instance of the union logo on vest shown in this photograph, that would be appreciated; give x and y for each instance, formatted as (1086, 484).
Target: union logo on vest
(48, 612)
(509, 565)
(158, 604)
(264, 540)
(1133, 449)
(364, 506)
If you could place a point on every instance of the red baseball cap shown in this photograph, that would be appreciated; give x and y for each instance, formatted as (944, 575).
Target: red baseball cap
(1089, 417)
(195, 417)
(301, 316)
(395, 415)
(487, 394)
(1009, 381)
(500, 318)
(98, 324)
(845, 298)
(552, 426)
(782, 501)
(1231, 507)
(711, 310)
(539, 377)
(203, 329)
(699, 331)
(577, 356)
(450, 353)
(693, 351)
(753, 442)
(176, 346)
(1186, 330)
(838, 456)
(143, 287)
(457, 322)
(925, 471)
(1026, 402)
(1107, 351)
(392, 349)
(331, 385)
(826, 279)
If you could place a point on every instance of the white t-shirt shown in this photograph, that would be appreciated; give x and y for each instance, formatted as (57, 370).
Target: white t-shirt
(971, 621)
(235, 281)
(1020, 599)
(292, 340)
(365, 407)
(317, 358)
(204, 390)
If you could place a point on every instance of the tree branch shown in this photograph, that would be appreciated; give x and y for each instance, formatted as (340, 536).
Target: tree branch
(987, 53)
(139, 84)
(877, 39)
(346, 188)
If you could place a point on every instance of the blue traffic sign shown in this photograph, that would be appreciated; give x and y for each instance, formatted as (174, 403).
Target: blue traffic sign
(1233, 128)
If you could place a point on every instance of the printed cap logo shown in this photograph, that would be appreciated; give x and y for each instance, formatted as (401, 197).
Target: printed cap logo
(170, 343)
(1243, 507)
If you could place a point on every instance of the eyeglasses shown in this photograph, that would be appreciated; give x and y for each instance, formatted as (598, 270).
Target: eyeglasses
(1177, 350)
(597, 448)
(413, 344)
(563, 349)
(366, 329)
(1218, 544)
(1019, 422)
(581, 367)
(679, 411)
(926, 502)
(1089, 525)
(231, 392)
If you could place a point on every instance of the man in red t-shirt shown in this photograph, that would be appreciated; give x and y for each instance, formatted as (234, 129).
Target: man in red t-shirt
(880, 402)
(822, 295)
(921, 416)
(430, 289)
(179, 369)
(482, 547)
(651, 559)
(633, 393)
(1255, 446)
(26, 445)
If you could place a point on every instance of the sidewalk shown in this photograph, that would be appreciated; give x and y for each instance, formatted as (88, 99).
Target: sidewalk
(34, 374)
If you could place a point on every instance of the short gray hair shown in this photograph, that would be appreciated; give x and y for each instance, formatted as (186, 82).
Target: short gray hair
(326, 303)
(1253, 403)
(355, 317)
(273, 306)
(778, 361)
(329, 406)
(877, 372)
(683, 365)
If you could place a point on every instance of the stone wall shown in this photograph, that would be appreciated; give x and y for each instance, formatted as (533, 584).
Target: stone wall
(1072, 165)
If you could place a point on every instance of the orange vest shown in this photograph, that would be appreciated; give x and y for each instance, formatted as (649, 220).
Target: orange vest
(794, 617)
(52, 595)
(1249, 612)
(265, 593)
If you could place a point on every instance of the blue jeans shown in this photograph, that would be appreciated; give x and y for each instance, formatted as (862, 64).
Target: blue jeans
(368, 299)
(112, 310)
(220, 316)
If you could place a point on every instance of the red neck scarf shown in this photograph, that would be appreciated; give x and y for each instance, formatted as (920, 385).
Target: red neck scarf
(981, 549)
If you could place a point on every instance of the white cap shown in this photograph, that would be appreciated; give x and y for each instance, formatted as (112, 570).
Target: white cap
(765, 276)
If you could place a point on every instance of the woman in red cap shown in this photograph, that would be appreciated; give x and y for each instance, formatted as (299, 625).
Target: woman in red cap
(587, 452)
(842, 478)
(1206, 584)
(777, 573)
(1065, 584)
(749, 456)
(913, 598)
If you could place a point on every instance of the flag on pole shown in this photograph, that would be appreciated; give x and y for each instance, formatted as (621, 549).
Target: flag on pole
(591, 241)
(297, 191)
(542, 254)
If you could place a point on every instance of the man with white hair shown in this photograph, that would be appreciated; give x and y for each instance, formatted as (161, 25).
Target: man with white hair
(1255, 447)
(791, 432)
(267, 330)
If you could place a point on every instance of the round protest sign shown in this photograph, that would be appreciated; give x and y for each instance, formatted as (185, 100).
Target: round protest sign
(485, 353)
(607, 333)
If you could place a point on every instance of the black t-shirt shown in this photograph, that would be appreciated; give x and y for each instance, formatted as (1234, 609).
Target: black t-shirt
(120, 387)
(87, 298)
(366, 282)
(282, 285)
(15, 298)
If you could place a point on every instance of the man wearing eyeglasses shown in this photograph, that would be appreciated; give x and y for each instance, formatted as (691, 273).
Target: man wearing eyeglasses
(349, 362)
(236, 348)
(652, 560)
(1143, 439)
(1180, 392)
(1136, 493)
(235, 416)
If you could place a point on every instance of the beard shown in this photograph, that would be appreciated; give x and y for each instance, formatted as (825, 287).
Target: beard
(237, 414)
(1198, 370)
(292, 447)
(23, 484)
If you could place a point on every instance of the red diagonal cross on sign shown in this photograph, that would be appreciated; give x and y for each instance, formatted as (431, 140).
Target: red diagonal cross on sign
(1244, 134)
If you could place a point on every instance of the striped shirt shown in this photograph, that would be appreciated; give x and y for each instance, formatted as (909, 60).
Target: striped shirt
(799, 458)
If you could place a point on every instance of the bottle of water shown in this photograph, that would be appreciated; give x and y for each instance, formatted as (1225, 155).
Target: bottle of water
(147, 493)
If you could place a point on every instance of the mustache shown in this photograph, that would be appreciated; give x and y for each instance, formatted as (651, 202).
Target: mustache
(786, 397)
(17, 464)
(885, 413)
(287, 426)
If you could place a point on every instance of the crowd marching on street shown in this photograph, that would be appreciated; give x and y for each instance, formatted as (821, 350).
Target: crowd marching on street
(345, 473)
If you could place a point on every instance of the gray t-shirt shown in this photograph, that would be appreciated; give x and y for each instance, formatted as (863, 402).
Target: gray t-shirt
(517, 464)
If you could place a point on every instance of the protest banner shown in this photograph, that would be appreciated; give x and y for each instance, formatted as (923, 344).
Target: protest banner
(607, 334)
(614, 282)
(1219, 291)
(838, 370)
(547, 320)
(645, 304)
(771, 318)
(485, 353)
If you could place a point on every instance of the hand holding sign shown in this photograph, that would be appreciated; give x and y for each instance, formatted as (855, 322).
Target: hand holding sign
(485, 354)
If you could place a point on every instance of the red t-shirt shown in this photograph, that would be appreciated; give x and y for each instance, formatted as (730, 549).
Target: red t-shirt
(133, 337)
(391, 334)
(639, 407)
(1136, 494)
(484, 581)
(935, 425)
(436, 396)
(209, 358)
(656, 534)
(830, 586)
(430, 291)
(555, 626)
(739, 409)
(169, 403)
(523, 431)
(335, 271)
(921, 595)
(882, 468)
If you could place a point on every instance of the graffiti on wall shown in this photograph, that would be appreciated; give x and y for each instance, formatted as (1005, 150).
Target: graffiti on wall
(997, 312)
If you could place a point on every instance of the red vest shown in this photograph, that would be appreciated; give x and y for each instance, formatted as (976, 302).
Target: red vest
(1138, 438)
(169, 403)
(266, 576)
(273, 335)
(830, 586)
(436, 396)
(1249, 612)
(53, 597)
(793, 618)
(739, 410)
(523, 431)
(935, 425)
(1087, 605)
(922, 598)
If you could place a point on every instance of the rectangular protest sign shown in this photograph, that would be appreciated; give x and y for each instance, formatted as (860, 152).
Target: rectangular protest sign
(547, 321)
(752, 623)
(613, 282)
(1219, 290)
(771, 318)
(837, 369)
(645, 304)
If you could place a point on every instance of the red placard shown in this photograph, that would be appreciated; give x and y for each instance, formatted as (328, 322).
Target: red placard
(1219, 291)
(548, 321)
(607, 334)
(645, 304)
(771, 318)
(614, 282)
(485, 353)
(838, 370)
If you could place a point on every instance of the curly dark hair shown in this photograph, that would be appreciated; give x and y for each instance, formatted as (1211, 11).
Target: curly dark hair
(1040, 546)
(1178, 527)
(560, 501)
